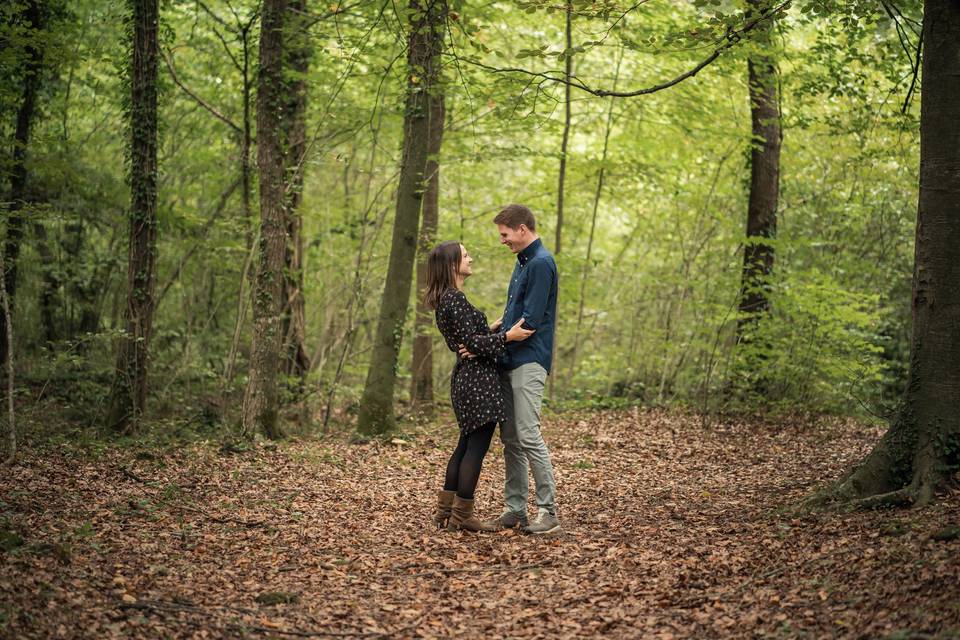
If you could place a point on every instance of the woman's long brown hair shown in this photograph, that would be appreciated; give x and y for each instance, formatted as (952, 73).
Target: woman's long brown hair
(442, 265)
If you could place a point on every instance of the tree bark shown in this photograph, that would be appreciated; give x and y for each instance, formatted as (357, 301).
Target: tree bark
(129, 394)
(758, 253)
(421, 392)
(922, 446)
(296, 362)
(32, 78)
(425, 43)
(260, 402)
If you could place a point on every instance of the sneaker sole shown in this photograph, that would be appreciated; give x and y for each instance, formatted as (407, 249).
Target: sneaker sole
(554, 530)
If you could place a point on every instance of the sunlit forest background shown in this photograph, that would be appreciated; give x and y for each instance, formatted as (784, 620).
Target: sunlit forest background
(651, 244)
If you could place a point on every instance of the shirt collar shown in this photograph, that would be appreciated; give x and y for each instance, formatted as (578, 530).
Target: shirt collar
(530, 251)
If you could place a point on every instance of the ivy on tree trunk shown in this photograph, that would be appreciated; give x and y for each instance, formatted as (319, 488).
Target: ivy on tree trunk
(129, 393)
(261, 401)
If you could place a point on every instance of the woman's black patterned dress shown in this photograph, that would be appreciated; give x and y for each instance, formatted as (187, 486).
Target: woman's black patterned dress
(475, 383)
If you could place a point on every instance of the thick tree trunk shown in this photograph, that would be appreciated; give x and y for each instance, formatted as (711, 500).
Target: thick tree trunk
(129, 394)
(296, 362)
(260, 402)
(758, 253)
(421, 392)
(922, 446)
(32, 77)
(425, 43)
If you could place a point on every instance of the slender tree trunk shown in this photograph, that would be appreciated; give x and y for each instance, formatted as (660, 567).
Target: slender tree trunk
(427, 18)
(585, 273)
(7, 338)
(421, 392)
(562, 178)
(32, 77)
(758, 253)
(81, 287)
(296, 362)
(246, 142)
(129, 394)
(260, 402)
(922, 447)
(50, 309)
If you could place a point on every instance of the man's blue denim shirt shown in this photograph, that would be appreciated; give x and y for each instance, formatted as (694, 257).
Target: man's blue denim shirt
(532, 295)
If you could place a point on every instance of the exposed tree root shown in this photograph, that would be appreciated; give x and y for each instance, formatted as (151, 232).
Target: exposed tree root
(898, 473)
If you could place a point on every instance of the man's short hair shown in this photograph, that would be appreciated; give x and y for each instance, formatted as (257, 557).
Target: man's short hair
(514, 215)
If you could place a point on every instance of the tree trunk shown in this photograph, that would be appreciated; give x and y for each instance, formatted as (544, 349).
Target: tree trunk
(32, 77)
(564, 143)
(758, 254)
(562, 178)
(81, 288)
(922, 446)
(427, 18)
(296, 362)
(50, 309)
(585, 273)
(421, 392)
(260, 402)
(129, 394)
(7, 338)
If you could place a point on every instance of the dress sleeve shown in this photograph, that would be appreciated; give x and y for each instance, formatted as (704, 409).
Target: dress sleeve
(458, 327)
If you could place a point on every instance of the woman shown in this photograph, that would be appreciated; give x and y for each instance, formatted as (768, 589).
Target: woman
(474, 385)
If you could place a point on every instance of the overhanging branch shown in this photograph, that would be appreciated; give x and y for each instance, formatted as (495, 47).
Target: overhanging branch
(730, 38)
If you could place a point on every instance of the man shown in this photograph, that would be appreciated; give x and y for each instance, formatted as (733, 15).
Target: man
(532, 295)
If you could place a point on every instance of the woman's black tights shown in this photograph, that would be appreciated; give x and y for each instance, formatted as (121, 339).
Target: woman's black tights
(463, 470)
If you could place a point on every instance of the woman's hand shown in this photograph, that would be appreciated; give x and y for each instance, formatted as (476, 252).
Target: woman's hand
(495, 326)
(517, 333)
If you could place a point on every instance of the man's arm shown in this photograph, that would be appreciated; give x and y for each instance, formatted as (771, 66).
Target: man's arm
(539, 283)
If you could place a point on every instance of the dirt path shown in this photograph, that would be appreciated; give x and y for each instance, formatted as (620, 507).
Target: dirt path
(671, 531)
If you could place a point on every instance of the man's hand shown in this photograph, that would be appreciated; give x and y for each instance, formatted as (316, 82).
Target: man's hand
(465, 353)
(495, 326)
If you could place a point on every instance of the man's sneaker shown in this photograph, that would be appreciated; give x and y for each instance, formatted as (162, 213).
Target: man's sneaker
(509, 520)
(546, 523)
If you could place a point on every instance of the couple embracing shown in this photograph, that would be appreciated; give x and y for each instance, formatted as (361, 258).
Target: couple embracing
(499, 377)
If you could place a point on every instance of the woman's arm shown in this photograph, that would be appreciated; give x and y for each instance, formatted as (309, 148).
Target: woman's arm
(458, 328)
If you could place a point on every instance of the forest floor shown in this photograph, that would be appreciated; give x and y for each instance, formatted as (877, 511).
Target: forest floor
(673, 529)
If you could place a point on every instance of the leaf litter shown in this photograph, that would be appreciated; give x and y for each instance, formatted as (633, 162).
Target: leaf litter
(672, 530)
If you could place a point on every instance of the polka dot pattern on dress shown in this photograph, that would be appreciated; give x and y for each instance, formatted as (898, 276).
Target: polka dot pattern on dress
(475, 384)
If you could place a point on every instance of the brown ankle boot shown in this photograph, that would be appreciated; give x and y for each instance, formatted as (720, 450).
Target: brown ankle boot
(444, 505)
(462, 517)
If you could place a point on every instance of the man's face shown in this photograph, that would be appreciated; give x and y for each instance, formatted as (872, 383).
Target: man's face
(515, 239)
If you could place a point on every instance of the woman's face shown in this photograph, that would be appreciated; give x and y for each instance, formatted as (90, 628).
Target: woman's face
(464, 269)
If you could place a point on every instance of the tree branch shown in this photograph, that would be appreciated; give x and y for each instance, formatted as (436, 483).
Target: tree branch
(196, 98)
(732, 37)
